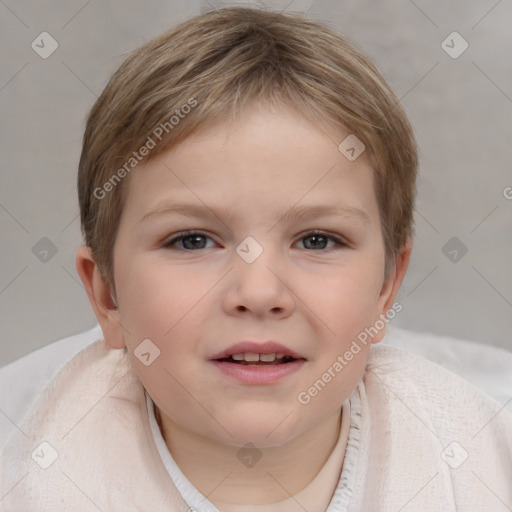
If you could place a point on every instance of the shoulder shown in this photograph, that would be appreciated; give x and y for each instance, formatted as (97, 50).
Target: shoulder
(445, 402)
(420, 428)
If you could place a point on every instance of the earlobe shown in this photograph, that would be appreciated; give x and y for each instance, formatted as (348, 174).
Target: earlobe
(392, 283)
(100, 297)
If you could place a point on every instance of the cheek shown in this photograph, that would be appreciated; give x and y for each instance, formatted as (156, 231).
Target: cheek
(349, 299)
(156, 297)
(160, 303)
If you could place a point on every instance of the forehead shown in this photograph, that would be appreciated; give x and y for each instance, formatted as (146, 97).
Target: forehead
(253, 163)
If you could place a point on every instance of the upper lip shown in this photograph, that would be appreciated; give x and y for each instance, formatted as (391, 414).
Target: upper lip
(265, 347)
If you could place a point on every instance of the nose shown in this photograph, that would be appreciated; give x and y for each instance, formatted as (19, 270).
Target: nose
(259, 286)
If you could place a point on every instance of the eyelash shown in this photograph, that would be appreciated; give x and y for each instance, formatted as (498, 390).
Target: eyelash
(340, 243)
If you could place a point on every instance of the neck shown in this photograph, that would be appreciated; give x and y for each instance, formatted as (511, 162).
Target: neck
(216, 471)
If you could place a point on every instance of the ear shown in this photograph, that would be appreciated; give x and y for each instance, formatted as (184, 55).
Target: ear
(100, 296)
(391, 285)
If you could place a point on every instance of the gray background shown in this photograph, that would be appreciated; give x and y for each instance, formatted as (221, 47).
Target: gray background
(461, 109)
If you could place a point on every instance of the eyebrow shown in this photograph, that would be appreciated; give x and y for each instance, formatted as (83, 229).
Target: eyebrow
(294, 213)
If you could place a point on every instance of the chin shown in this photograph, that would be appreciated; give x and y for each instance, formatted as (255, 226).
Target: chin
(264, 432)
(259, 439)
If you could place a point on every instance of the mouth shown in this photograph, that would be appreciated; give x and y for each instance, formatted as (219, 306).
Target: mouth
(252, 362)
(252, 359)
(260, 371)
(257, 353)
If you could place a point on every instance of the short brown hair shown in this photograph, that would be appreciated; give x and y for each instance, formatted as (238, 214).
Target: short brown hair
(217, 62)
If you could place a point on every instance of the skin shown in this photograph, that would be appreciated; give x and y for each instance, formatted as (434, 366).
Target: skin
(193, 302)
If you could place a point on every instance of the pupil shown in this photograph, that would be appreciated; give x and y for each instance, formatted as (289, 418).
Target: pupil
(196, 241)
(317, 237)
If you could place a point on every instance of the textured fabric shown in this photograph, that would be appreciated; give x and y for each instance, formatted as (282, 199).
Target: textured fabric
(421, 438)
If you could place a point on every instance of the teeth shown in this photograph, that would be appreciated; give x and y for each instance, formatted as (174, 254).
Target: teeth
(252, 357)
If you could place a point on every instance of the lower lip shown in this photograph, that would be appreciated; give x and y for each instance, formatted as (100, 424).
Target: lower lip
(259, 374)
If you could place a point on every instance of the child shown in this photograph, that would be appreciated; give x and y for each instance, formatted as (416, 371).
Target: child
(245, 374)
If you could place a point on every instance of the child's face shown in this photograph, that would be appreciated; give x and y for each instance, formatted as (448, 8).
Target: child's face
(203, 294)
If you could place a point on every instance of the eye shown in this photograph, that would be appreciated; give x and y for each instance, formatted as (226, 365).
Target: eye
(319, 240)
(192, 240)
